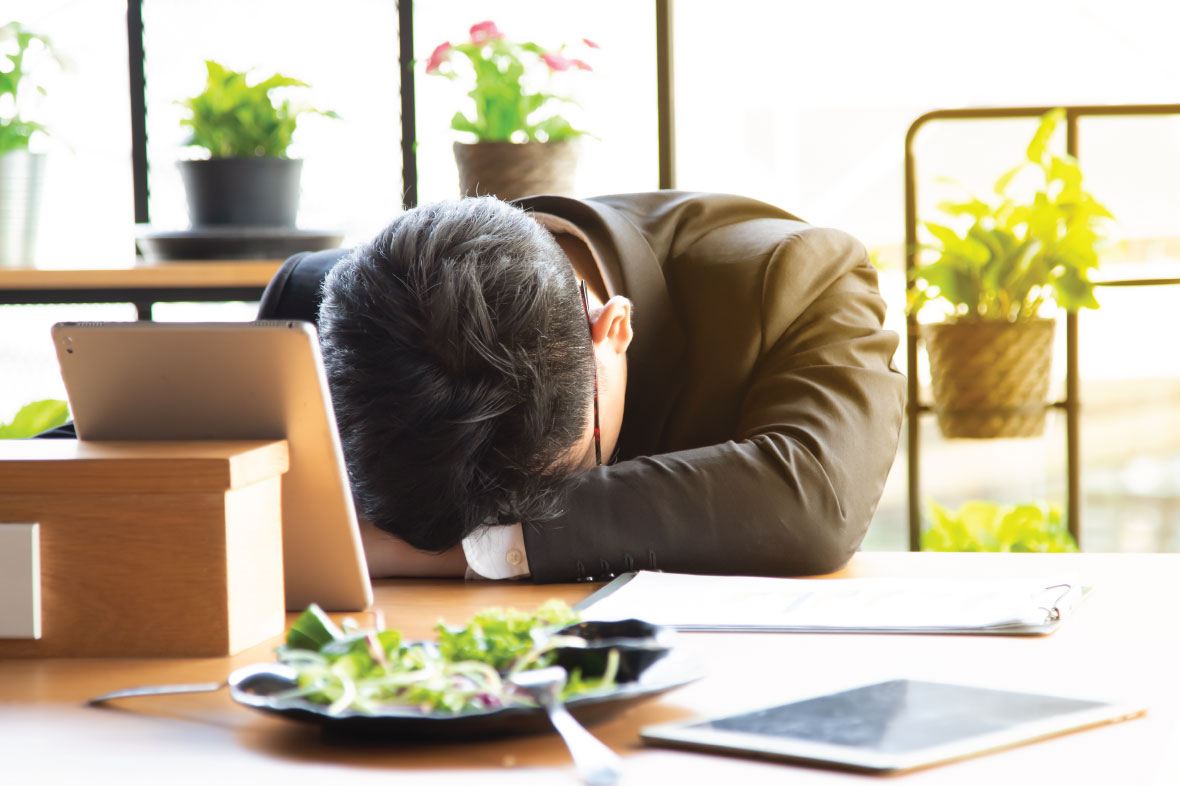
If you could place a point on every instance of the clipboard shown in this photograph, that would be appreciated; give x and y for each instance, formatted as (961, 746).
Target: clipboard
(1033, 606)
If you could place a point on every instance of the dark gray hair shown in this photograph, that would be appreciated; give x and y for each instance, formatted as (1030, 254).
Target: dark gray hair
(459, 362)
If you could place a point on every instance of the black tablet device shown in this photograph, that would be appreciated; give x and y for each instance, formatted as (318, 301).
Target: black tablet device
(892, 726)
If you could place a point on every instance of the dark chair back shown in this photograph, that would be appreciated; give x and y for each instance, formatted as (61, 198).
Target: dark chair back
(297, 288)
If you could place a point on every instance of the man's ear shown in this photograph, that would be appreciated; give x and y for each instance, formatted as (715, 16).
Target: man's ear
(612, 325)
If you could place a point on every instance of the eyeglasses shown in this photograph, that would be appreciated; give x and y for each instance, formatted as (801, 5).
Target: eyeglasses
(594, 367)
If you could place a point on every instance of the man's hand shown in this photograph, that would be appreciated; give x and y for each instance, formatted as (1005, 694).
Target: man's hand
(388, 555)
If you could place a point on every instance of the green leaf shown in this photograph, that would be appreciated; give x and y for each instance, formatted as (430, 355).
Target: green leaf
(944, 234)
(1097, 209)
(278, 80)
(1067, 171)
(1072, 291)
(233, 119)
(313, 630)
(948, 533)
(32, 419)
(460, 122)
(499, 636)
(1076, 250)
(555, 129)
(1043, 217)
(976, 208)
(953, 283)
(980, 525)
(1039, 146)
(531, 103)
(1035, 528)
(1006, 179)
(390, 640)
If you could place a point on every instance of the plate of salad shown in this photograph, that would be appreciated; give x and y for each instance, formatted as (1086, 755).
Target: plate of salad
(373, 682)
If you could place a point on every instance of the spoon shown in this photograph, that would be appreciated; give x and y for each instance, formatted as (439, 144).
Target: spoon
(597, 764)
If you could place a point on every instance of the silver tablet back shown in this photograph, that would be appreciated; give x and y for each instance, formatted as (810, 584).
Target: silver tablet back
(252, 380)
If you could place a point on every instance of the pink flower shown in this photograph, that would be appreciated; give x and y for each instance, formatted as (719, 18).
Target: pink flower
(440, 55)
(590, 43)
(484, 32)
(582, 65)
(557, 61)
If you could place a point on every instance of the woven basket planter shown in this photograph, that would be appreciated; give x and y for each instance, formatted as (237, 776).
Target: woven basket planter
(509, 171)
(991, 379)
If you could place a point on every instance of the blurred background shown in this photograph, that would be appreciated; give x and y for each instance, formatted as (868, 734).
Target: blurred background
(803, 105)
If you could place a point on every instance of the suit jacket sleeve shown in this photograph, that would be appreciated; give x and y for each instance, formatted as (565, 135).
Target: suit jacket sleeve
(794, 487)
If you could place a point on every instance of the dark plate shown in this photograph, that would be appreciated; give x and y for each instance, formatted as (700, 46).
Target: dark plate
(639, 644)
(234, 243)
(256, 686)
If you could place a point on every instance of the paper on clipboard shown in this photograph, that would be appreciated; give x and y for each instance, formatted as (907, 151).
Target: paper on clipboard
(870, 605)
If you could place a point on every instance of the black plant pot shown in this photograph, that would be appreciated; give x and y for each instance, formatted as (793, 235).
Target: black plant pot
(257, 192)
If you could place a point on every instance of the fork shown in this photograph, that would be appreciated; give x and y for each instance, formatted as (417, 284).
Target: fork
(597, 764)
(158, 690)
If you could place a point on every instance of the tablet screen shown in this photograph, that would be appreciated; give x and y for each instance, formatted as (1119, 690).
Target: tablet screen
(893, 725)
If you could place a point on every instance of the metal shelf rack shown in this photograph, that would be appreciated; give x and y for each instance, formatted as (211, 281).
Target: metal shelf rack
(1071, 403)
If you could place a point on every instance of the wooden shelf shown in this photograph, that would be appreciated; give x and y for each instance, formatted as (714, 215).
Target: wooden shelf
(186, 274)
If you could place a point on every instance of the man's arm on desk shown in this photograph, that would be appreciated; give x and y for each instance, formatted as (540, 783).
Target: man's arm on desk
(389, 556)
(494, 553)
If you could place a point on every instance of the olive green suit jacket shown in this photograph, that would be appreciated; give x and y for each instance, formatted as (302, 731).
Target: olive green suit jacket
(762, 410)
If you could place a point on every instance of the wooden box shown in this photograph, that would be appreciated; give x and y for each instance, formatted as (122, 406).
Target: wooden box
(146, 548)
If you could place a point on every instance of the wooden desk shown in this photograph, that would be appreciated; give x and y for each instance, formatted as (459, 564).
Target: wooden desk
(1121, 644)
(141, 284)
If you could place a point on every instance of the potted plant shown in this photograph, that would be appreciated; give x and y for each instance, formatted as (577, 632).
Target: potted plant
(980, 525)
(523, 145)
(247, 180)
(23, 53)
(990, 357)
